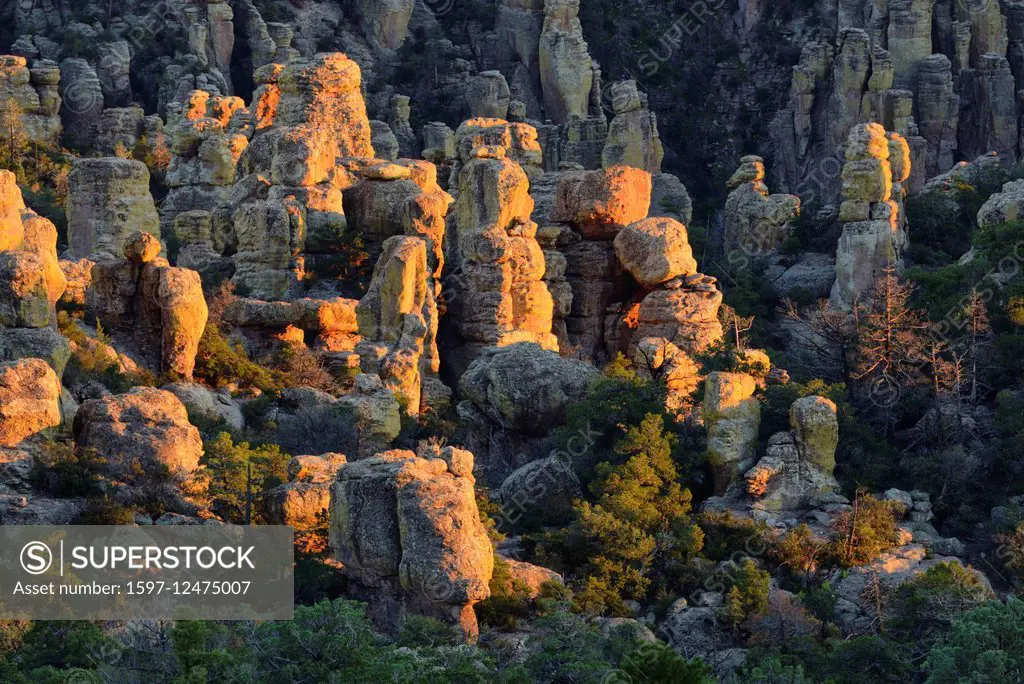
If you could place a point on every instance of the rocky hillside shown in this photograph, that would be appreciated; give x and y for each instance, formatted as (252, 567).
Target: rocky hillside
(578, 342)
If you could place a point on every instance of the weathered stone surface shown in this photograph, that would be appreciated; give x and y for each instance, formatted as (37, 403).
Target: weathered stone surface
(1003, 207)
(566, 74)
(755, 222)
(601, 203)
(24, 298)
(159, 307)
(684, 312)
(398, 320)
(108, 200)
(815, 427)
(874, 233)
(34, 91)
(409, 528)
(633, 134)
(525, 388)
(385, 22)
(385, 144)
(655, 250)
(543, 489)
(210, 405)
(29, 400)
(81, 102)
(488, 95)
(732, 418)
(145, 428)
(502, 297)
(271, 235)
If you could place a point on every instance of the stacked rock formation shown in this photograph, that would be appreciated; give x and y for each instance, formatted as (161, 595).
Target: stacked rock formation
(873, 232)
(32, 94)
(566, 73)
(208, 135)
(732, 418)
(501, 296)
(398, 321)
(756, 223)
(31, 282)
(154, 309)
(408, 532)
(593, 206)
(633, 134)
(81, 102)
(514, 397)
(108, 201)
(302, 500)
(853, 81)
(796, 471)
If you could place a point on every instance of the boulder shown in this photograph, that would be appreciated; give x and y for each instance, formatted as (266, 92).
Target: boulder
(655, 250)
(29, 400)
(603, 202)
(525, 388)
(732, 418)
(108, 200)
(408, 530)
(144, 432)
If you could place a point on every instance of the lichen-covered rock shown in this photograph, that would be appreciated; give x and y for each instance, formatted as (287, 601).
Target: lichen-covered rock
(24, 298)
(525, 388)
(655, 250)
(377, 411)
(566, 74)
(385, 22)
(108, 200)
(633, 134)
(501, 297)
(815, 427)
(385, 144)
(145, 428)
(732, 418)
(685, 312)
(12, 206)
(603, 202)
(544, 489)
(874, 233)
(1004, 206)
(35, 93)
(271, 235)
(213, 406)
(408, 529)
(398, 320)
(29, 400)
(300, 505)
(756, 222)
(159, 307)
(488, 95)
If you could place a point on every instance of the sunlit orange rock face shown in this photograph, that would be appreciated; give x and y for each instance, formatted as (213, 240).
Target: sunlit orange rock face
(603, 202)
(324, 95)
(502, 297)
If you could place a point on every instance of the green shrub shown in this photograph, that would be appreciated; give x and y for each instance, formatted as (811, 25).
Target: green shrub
(64, 470)
(748, 594)
(239, 474)
(656, 663)
(985, 646)
(925, 606)
(219, 363)
(861, 535)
